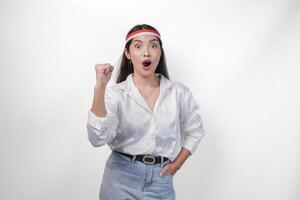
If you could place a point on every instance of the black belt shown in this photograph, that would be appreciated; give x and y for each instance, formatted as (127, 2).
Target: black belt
(147, 159)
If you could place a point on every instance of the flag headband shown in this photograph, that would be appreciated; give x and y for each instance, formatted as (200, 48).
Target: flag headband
(142, 32)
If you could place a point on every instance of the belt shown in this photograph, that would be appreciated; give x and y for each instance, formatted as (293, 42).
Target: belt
(147, 159)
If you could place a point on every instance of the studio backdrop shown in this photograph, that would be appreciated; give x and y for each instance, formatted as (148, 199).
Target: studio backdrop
(240, 58)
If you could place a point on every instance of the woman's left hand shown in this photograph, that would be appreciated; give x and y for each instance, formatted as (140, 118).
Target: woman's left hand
(170, 168)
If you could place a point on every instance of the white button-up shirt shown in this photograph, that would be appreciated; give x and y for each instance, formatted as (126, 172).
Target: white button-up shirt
(130, 126)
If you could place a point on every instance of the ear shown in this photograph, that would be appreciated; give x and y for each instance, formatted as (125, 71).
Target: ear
(127, 53)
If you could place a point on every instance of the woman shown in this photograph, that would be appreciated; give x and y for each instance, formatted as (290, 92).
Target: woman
(151, 124)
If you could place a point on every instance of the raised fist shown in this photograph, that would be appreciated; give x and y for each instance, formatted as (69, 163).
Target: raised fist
(103, 73)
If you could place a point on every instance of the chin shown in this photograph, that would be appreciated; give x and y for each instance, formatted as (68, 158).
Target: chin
(145, 73)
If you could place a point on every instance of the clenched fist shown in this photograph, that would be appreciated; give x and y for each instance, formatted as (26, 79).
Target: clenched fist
(103, 73)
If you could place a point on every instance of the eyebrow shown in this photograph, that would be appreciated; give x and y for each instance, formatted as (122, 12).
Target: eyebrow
(142, 41)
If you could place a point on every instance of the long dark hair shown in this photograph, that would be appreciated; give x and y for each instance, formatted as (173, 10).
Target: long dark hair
(126, 67)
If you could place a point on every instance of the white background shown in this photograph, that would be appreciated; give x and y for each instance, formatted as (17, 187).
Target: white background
(240, 58)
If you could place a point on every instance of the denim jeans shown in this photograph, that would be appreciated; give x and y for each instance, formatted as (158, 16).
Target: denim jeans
(125, 178)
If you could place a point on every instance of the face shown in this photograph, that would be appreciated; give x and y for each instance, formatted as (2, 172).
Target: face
(144, 53)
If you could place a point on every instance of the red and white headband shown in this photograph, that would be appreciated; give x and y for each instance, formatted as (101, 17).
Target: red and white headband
(142, 32)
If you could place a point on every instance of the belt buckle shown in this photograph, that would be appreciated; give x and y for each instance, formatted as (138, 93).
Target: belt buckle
(148, 157)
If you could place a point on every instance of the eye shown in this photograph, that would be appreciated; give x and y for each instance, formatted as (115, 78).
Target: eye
(154, 46)
(137, 46)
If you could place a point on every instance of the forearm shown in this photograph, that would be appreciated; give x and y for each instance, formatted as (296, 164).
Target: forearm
(98, 107)
(181, 157)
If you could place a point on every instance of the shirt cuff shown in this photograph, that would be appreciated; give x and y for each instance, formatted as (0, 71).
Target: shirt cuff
(191, 143)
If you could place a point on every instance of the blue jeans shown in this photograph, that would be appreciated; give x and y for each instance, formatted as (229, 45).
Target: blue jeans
(125, 178)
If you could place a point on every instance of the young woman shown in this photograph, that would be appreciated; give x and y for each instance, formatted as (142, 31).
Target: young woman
(151, 124)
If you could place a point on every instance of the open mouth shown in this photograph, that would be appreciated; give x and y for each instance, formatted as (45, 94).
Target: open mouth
(146, 63)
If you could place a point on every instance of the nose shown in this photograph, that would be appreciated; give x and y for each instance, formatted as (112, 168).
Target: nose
(146, 52)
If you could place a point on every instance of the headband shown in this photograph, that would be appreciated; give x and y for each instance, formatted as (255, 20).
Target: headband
(142, 32)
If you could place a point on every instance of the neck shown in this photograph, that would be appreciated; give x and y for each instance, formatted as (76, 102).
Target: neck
(142, 81)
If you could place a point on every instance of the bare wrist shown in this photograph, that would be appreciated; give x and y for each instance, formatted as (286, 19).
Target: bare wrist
(100, 86)
(176, 165)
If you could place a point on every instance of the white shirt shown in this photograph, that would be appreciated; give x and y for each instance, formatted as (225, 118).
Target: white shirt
(131, 127)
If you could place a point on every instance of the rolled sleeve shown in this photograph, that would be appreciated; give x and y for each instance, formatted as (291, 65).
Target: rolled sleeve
(191, 122)
(102, 130)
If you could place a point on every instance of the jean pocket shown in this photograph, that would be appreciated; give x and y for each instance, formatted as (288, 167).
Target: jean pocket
(168, 174)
